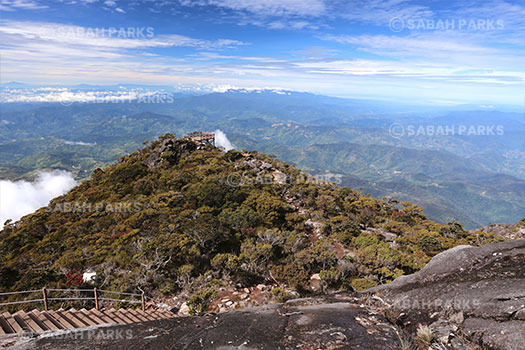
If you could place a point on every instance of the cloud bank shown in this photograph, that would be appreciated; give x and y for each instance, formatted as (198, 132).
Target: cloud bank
(222, 141)
(80, 143)
(20, 198)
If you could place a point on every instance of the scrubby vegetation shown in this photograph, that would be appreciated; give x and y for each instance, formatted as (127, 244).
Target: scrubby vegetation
(174, 217)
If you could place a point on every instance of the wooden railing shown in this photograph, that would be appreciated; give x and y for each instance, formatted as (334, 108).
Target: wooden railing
(96, 297)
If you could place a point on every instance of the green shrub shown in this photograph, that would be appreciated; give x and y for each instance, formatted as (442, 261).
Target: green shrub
(318, 256)
(292, 275)
(200, 301)
(255, 255)
(364, 240)
(226, 262)
(281, 295)
(430, 245)
(453, 230)
(361, 284)
(330, 277)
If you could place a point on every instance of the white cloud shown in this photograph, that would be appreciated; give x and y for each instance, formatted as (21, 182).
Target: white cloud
(381, 11)
(447, 49)
(80, 143)
(21, 197)
(12, 5)
(298, 14)
(272, 14)
(222, 141)
(512, 14)
(412, 45)
(67, 96)
(274, 7)
(39, 35)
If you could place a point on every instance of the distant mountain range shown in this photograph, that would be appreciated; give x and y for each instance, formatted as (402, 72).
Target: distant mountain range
(472, 171)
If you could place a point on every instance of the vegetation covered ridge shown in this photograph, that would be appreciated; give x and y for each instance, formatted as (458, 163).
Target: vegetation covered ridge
(178, 217)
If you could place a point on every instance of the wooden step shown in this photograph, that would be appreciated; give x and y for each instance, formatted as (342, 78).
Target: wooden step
(124, 317)
(82, 317)
(29, 322)
(5, 323)
(103, 316)
(48, 322)
(139, 316)
(130, 315)
(70, 316)
(112, 314)
(20, 320)
(147, 315)
(3, 326)
(37, 321)
(92, 316)
(58, 318)
(13, 323)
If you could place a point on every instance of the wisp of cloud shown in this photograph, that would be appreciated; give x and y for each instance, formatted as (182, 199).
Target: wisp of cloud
(222, 141)
(20, 198)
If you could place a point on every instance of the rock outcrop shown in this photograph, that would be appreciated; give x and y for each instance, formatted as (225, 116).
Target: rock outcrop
(170, 150)
(473, 292)
(324, 323)
(507, 231)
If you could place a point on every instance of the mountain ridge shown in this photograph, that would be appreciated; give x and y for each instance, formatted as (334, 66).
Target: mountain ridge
(176, 217)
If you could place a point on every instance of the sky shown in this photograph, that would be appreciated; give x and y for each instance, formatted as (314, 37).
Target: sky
(436, 52)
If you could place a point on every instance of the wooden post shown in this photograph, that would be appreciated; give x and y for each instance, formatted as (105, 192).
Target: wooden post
(143, 299)
(44, 293)
(95, 293)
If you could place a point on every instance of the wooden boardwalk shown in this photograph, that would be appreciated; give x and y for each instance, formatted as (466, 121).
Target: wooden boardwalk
(41, 321)
(200, 136)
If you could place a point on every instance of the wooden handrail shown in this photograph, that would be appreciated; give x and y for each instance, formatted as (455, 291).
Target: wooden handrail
(44, 293)
(96, 297)
(95, 294)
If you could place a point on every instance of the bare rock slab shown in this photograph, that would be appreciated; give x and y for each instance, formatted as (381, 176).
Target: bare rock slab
(326, 323)
(480, 291)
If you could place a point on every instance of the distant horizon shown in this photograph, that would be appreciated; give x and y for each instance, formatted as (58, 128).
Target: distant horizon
(203, 90)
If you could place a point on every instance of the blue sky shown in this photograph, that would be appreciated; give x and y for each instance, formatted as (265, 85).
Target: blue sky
(432, 52)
